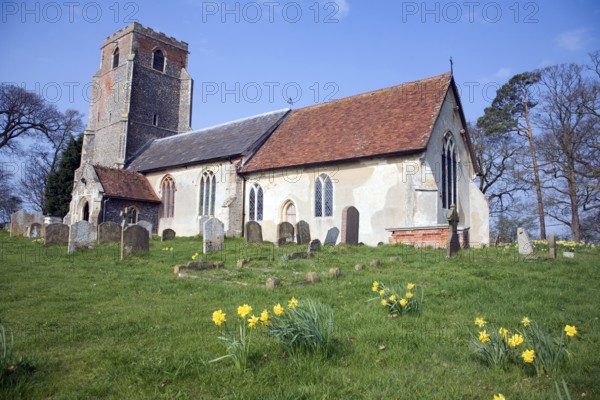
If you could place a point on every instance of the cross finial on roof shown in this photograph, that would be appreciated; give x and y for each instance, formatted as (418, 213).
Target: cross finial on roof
(451, 66)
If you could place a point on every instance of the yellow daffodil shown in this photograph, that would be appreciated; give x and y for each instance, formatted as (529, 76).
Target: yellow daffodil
(570, 330)
(264, 317)
(480, 322)
(252, 321)
(383, 302)
(410, 286)
(484, 337)
(393, 298)
(409, 295)
(403, 302)
(503, 333)
(278, 310)
(375, 286)
(525, 321)
(218, 317)
(244, 310)
(382, 292)
(499, 396)
(293, 303)
(528, 356)
(515, 340)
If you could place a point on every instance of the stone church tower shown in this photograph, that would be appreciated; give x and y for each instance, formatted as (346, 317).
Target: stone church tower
(141, 92)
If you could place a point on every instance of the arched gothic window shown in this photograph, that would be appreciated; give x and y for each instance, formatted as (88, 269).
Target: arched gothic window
(255, 202)
(158, 61)
(167, 189)
(115, 58)
(323, 196)
(289, 211)
(208, 186)
(448, 171)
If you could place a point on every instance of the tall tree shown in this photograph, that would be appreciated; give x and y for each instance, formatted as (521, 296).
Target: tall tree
(510, 113)
(570, 127)
(24, 113)
(60, 183)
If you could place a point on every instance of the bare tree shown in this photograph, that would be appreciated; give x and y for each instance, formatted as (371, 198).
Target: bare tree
(569, 144)
(24, 113)
(9, 201)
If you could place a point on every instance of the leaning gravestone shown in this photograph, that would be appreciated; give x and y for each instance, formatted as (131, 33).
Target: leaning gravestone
(57, 234)
(168, 234)
(109, 232)
(253, 232)
(20, 222)
(146, 225)
(331, 237)
(350, 225)
(525, 244)
(35, 231)
(452, 243)
(134, 239)
(214, 235)
(552, 246)
(314, 246)
(81, 234)
(302, 232)
(285, 233)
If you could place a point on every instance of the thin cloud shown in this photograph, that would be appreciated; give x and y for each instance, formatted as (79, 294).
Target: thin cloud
(343, 8)
(503, 73)
(574, 40)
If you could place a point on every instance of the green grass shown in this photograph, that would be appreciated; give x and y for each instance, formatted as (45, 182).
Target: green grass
(97, 327)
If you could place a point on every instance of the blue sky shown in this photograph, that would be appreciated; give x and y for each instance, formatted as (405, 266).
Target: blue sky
(247, 57)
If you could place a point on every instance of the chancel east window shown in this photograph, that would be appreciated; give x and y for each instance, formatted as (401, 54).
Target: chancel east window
(448, 171)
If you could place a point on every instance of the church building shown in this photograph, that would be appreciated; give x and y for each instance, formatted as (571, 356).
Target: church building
(401, 156)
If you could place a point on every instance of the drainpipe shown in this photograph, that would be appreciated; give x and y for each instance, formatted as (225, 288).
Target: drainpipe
(243, 204)
(104, 208)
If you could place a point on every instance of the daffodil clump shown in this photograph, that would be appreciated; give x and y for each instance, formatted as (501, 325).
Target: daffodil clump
(38, 241)
(195, 256)
(526, 345)
(167, 249)
(565, 245)
(238, 337)
(398, 302)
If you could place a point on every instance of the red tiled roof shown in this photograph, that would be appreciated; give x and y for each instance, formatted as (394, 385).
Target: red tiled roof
(394, 120)
(121, 184)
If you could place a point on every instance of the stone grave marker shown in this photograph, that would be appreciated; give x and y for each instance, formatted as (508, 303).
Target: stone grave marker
(20, 222)
(134, 239)
(453, 242)
(331, 237)
(525, 244)
(552, 246)
(168, 234)
(35, 231)
(285, 233)
(214, 235)
(350, 218)
(253, 232)
(201, 223)
(314, 246)
(147, 226)
(57, 234)
(302, 232)
(109, 232)
(81, 234)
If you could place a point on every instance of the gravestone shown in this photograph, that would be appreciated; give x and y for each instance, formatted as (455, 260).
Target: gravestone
(453, 242)
(552, 246)
(81, 234)
(350, 217)
(57, 234)
(134, 239)
(314, 246)
(253, 232)
(285, 233)
(302, 232)
(20, 222)
(35, 231)
(201, 223)
(525, 244)
(147, 226)
(168, 234)
(331, 237)
(109, 232)
(214, 235)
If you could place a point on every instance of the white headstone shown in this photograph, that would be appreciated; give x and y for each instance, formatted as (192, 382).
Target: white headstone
(525, 244)
(147, 226)
(214, 235)
(81, 234)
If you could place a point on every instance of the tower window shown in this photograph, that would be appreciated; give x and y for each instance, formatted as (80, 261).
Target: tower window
(158, 61)
(115, 58)
(155, 120)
